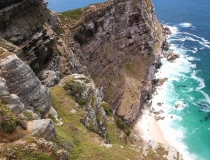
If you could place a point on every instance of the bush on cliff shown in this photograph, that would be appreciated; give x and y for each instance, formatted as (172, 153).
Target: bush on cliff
(9, 121)
(75, 90)
(120, 124)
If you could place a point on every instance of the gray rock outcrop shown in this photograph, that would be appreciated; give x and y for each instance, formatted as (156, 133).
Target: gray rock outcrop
(83, 90)
(22, 81)
(41, 128)
(12, 101)
(30, 25)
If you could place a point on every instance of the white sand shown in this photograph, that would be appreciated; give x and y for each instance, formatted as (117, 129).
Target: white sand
(149, 128)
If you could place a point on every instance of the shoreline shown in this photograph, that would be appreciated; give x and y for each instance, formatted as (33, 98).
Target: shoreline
(149, 129)
(146, 125)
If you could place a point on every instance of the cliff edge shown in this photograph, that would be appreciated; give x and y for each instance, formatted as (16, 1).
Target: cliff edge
(100, 63)
(117, 41)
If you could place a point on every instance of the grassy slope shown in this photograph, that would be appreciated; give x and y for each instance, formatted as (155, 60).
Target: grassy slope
(82, 143)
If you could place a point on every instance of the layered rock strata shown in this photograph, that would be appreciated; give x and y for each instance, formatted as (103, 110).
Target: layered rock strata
(117, 43)
(30, 25)
(24, 96)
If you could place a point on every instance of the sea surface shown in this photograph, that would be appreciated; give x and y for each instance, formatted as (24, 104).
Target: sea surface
(188, 126)
(65, 5)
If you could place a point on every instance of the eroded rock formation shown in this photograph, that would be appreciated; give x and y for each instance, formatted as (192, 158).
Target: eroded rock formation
(117, 44)
(25, 98)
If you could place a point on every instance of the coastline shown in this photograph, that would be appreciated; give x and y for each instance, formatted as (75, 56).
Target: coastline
(149, 128)
(147, 124)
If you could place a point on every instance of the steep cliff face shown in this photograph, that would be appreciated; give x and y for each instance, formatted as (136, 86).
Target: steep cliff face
(113, 48)
(30, 25)
(116, 41)
(26, 100)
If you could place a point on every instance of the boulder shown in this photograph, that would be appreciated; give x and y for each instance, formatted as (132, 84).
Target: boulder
(171, 56)
(41, 128)
(49, 77)
(159, 118)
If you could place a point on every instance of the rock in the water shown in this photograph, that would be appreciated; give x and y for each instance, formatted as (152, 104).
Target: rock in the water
(159, 82)
(171, 56)
(41, 128)
(159, 118)
(160, 103)
(177, 105)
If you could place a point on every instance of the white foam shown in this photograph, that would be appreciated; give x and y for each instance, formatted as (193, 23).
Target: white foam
(190, 58)
(184, 36)
(175, 135)
(181, 105)
(173, 132)
(201, 38)
(199, 80)
(185, 25)
(195, 130)
(175, 72)
(173, 29)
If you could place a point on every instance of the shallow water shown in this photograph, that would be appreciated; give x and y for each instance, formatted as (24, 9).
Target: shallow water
(188, 83)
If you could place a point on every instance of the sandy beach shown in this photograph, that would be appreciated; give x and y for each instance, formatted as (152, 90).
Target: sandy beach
(149, 129)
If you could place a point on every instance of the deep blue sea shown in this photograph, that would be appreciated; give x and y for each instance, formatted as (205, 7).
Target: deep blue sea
(187, 127)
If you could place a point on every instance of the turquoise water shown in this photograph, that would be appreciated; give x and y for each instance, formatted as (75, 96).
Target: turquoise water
(188, 126)
(64, 5)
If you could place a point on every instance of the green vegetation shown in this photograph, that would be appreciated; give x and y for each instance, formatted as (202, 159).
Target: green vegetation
(19, 151)
(83, 144)
(28, 115)
(158, 153)
(99, 116)
(121, 125)
(75, 90)
(50, 116)
(107, 108)
(10, 122)
(127, 66)
(70, 15)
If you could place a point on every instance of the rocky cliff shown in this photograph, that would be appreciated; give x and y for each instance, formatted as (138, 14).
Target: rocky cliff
(22, 93)
(116, 42)
(30, 25)
(103, 57)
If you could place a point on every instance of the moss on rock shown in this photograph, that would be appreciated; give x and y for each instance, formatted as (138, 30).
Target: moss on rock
(9, 122)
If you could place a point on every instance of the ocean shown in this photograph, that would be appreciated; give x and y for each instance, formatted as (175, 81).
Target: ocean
(186, 127)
